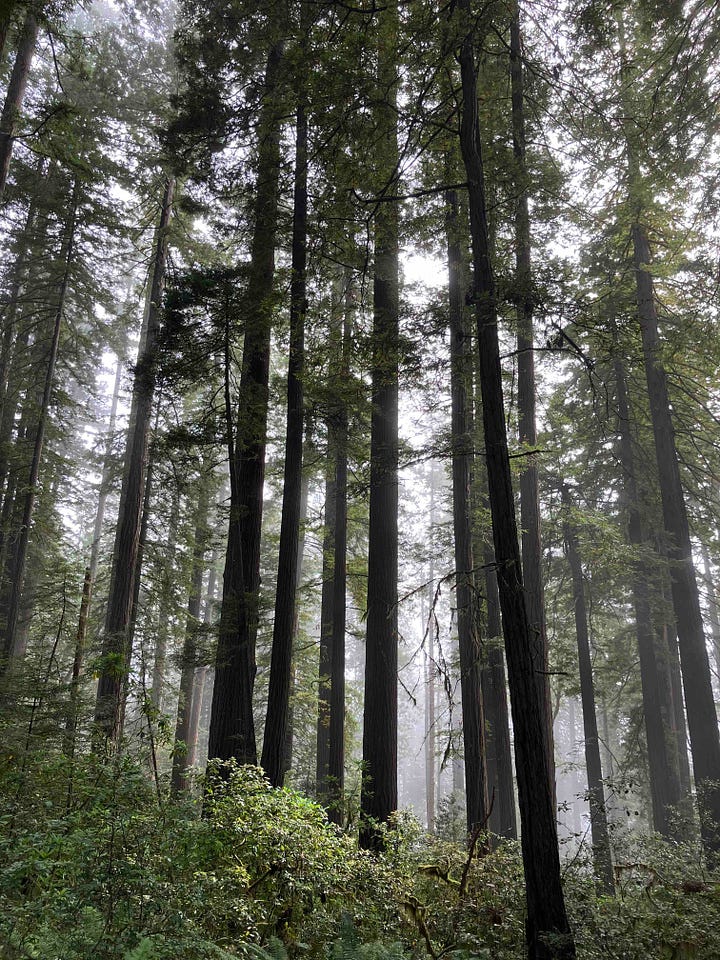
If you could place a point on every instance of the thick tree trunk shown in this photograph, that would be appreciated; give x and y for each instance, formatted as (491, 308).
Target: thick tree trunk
(527, 430)
(602, 854)
(547, 929)
(276, 721)
(232, 723)
(665, 788)
(19, 550)
(476, 789)
(378, 797)
(178, 778)
(702, 717)
(16, 93)
(109, 706)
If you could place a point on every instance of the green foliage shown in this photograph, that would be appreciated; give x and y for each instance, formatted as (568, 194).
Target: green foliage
(93, 867)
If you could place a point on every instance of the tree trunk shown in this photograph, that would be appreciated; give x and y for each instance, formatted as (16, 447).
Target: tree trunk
(602, 854)
(702, 718)
(232, 723)
(276, 721)
(476, 789)
(165, 606)
(109, 706)
(547, 929)
(503, 818)
(16, 93)
(322, 762)
(201, 674)
(378, 797)
(178, 779)
(20, 545)
(527, 430)
(712, 606)
(665, 789)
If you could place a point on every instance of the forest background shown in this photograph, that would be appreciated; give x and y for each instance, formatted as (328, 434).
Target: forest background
(291, 295)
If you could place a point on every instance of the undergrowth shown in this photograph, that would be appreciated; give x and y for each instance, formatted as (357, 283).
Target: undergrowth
(94, 865)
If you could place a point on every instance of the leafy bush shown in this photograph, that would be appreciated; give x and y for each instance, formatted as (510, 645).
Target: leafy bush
(95, 866)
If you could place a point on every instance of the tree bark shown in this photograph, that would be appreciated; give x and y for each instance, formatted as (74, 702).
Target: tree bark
(476, 787)
(276, 721)
(378, 798)
(526, 394)
(201, 674)
(16, 93)
(503, 818)
(109, 705)
(165, 607)
(665, 789)
(20, 545)
(547, 929)
(232, 723)
(178, 778)
(702, 717)
(602, 854)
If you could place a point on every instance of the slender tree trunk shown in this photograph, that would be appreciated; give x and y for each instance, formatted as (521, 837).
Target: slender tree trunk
(547, 929)
(476, 789)
(430, 732)
(527, 430)
(106, 475)
(232, 723)
(165, 606)
(378, 797)
(712, 606)
(276, 721)
(665, 788)
(201, 674)
(16, 93)
(290, 734)
(80, 642)
(326, 629)
(20, 546)
(602, 854)
(503, 818)
(178, 779)
(336, 752)
(109, 706)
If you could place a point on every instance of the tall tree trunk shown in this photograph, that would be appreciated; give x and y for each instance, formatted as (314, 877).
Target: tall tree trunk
(20, 545)
(109, 705)
(178, 778)
(697, 681)
(276, 721)
(105, 476)
(232, 723)
(476, 790)
(378, 798)
(527, 430)
(699, 700)
(304, 492)
(336, 746)
(12, 107)
(165, 606)
(503, 818)
(665, 788)
(322, 760)
(547, 929)
(201, 674)
(712, 607)
(602, 854)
